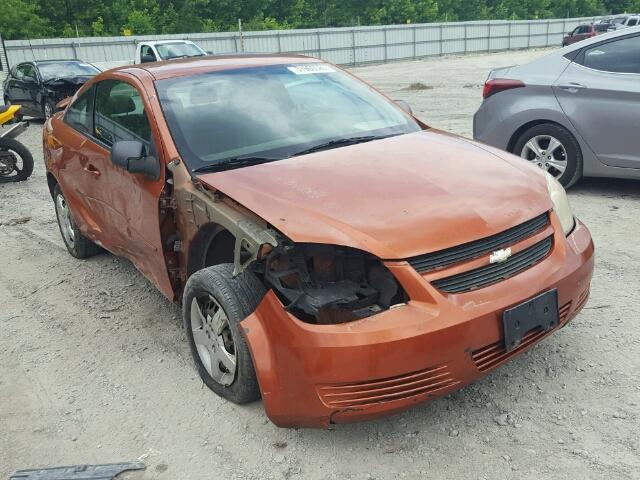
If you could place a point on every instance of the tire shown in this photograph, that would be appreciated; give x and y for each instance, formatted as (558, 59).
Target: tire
(23, 152)
(572, 153)
(48, 108)
(7, 101)
(211, 290)
(77, 244)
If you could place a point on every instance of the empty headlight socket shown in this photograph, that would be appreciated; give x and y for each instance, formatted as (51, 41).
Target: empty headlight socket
(327, 284)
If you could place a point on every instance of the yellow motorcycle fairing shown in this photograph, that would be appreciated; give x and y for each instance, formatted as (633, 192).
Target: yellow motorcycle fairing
(8, 114)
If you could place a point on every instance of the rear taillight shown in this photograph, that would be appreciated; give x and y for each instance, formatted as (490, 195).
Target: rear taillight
(499, 85)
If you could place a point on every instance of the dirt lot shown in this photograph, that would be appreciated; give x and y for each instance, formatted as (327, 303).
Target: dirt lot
(94, 365)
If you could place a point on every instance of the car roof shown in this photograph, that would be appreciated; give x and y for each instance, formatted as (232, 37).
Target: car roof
(161, 42)
(59, 60)
(211, 63)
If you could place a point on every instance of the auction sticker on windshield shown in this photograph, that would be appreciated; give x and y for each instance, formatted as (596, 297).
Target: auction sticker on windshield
(312, 68)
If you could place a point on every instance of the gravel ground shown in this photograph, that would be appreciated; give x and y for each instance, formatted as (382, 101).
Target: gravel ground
(94, 364)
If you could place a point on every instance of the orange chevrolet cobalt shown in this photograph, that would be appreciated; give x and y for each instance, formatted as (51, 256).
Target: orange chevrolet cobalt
(333, 255)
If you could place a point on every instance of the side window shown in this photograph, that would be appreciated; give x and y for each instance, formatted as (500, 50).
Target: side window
(147, 50)
(619, 56)
(633, 22)
(119, 114)
(26, 70)
(79, 114)
(20, 71)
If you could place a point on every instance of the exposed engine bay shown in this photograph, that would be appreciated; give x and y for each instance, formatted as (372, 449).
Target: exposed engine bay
(326, 284)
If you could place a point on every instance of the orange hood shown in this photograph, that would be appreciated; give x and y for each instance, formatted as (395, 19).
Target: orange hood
(395, 198)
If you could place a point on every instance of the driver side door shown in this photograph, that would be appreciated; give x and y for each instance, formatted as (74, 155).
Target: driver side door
(19, 87)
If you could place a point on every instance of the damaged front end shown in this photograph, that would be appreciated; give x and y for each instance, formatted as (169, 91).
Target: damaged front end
(327, 284)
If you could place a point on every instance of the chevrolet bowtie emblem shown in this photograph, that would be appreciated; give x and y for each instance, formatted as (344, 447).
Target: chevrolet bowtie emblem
(500, 256)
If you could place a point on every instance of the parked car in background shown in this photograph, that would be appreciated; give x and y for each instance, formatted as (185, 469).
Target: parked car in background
(574, 112)
(156, 51)
(625, 21)
(39, 85)
(583, 32)
(331, 252)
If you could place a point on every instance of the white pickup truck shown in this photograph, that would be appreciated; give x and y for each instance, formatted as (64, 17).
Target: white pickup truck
(158, 50)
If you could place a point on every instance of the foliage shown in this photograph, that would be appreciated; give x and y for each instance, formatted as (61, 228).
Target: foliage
(47, 18)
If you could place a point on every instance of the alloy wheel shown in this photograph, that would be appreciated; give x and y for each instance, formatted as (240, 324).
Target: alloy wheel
(547, 152)
(48, 110)
(213, 339)
(65, 220)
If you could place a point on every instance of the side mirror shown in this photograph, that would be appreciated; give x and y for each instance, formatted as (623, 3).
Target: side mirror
(404, 106)
(131, 156)
(147, 58)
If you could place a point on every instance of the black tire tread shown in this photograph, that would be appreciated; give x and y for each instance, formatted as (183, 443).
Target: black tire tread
(239, 296)
(83, 247)
(24, 153)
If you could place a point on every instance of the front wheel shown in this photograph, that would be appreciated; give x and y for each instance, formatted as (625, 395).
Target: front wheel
(48, 108)
(214, 304)
(16, 162)
(552, 148)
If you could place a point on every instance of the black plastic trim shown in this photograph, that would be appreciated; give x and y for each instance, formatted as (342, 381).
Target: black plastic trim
(478, 248)
(496, 272)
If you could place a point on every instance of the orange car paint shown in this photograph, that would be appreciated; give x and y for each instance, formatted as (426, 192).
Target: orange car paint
(394, 198)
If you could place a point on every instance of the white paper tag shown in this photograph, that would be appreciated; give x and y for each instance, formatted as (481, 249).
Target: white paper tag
(311, 68)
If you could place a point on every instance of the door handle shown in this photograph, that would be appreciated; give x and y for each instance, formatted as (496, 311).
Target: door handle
(92, 170)
(572, 87)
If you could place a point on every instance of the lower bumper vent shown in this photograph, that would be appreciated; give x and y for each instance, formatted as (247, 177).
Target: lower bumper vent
(386, 390)
(492, 355)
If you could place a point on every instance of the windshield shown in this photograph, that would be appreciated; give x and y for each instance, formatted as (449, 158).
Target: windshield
(620, 20)
(274, 111)
(49, 71)
(178, 49)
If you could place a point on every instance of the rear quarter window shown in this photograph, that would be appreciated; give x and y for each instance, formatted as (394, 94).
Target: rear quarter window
(618, 56)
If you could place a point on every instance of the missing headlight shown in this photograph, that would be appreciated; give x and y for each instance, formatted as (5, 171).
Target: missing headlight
(326, 284)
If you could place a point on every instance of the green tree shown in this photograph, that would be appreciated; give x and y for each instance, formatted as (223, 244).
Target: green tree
(97, 27)
(140, 22)
(40, 18)
(21, 19)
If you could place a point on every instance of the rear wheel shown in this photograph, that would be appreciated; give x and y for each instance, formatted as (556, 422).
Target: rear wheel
(77, 244)
(214, 304)
(16, 162)
(552, 148)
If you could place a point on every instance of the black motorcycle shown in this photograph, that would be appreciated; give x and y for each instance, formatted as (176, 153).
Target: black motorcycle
(16, 161)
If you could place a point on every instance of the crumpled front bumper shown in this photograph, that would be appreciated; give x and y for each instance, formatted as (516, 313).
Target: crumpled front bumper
(315, 375)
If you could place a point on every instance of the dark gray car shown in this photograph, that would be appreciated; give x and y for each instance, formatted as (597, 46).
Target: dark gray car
(574, 112)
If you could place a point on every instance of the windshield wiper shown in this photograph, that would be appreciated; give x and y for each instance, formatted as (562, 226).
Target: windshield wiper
(342, 142)
(232, 163)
